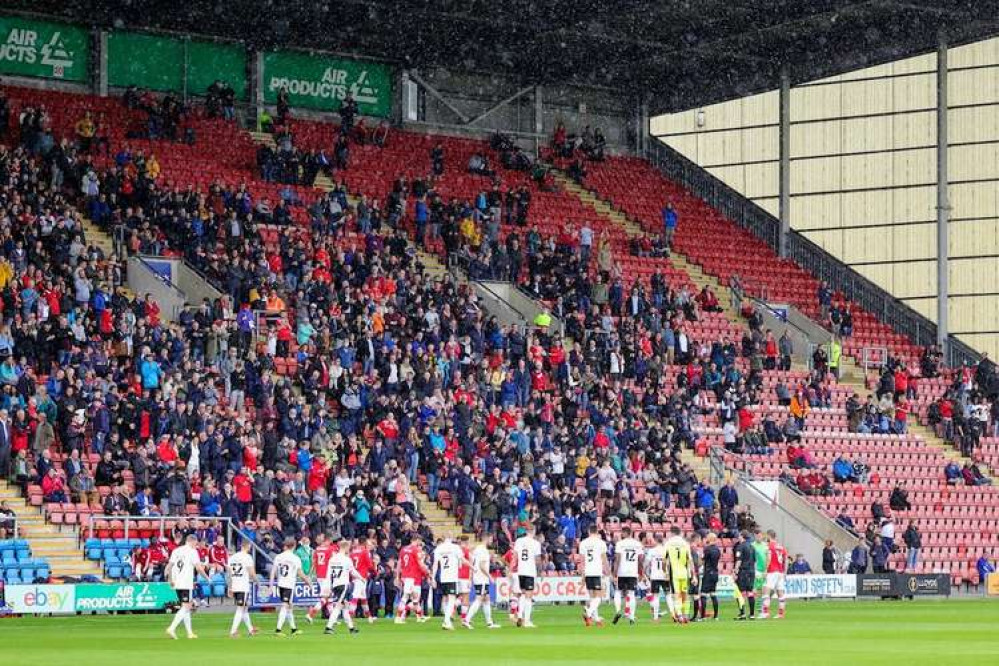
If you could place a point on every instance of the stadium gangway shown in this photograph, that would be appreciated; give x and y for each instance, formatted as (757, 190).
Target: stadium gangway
(129, 526)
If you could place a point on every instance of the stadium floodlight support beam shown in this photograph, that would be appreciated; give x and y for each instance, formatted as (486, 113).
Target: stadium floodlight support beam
(257, 83)
(784, 192)
(500, 104)
(101, 37)
(943, 200)
(539, 119)
(433, 92)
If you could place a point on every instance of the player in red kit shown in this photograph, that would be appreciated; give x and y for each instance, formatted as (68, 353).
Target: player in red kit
(218, 556)
(321, 555)
(410, 574)
(511, 573)
(776, 569)
(464, 579)
(360, 555)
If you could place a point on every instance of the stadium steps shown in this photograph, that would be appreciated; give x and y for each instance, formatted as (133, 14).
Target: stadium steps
(98, 237)
(265, 138)
(61, 547)
(441, 523)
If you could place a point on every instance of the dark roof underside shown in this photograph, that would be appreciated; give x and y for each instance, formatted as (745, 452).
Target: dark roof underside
(677, 54)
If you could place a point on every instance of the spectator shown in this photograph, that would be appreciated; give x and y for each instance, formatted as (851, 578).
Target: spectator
(830, 556)
(880, 552)
(899, 498)
(859, 558)
(843, 470)
(913, 542)
(800, 565)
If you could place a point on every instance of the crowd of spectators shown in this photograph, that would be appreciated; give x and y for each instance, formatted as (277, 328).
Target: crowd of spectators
(363, 379)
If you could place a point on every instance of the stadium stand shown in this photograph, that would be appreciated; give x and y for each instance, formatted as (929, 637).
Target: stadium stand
(394, 378)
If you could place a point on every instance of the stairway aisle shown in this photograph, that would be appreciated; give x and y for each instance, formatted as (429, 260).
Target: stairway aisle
(59, 545)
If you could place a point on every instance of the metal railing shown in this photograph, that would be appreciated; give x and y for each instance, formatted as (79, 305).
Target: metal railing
(804, 252)
(873, 358)
(720, 469)
(165, 523)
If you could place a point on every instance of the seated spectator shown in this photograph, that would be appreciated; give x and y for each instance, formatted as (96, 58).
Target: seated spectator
(54, 487)
(800, 565)
(478, 164)
(953, 474)
(843, 470)
(83, 487)
(792, 430)
(844, 520)
(799, 457)
(899, 499)
(7, 519)
(973, 476)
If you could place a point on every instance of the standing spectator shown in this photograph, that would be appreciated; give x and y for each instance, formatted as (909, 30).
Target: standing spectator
(824, 295)
(669, 222)
(829, 557)
(913, 542)
(859, 558)
(880, 553)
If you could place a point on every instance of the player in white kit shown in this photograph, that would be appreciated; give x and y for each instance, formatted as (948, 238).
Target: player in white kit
(242, 573)
(339, 575)
(593, 553)
(183, 564)
(481, 578)
(628, 556)
(448, 558)
(656, 573)
(526, 551)
(286, 570)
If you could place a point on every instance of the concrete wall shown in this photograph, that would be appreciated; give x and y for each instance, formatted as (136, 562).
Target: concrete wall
(799, 525)
(142, 279)
(863, 174)
(195, 288)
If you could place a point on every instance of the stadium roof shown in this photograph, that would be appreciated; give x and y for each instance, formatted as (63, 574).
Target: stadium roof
(679, 54)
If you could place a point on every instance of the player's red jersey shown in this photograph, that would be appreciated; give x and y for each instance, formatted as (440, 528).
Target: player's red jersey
(409, 562)
(203, 554)
(465, 571)
(511, 562)
(361, 557)
(321, 559)
(218, 555)
(778, 558)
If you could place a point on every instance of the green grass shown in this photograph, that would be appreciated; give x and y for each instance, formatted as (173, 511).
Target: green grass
(922, 632)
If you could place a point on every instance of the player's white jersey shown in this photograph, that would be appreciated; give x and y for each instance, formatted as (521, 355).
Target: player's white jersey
(183, 561)
(526, 549)
(339, 569)
(240, 566)
(627, 552)
(655, 563)
(287, 565)
(480, 562)
(593, 549)
(447, 558)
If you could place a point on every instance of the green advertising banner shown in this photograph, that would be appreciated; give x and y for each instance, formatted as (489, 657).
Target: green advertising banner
(211, 61)
(43, 49)
(146, 61)
(157, 62)
(323, 82)
(124, 597)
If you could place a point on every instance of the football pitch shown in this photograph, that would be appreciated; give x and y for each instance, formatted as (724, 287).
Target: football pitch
(920, 632)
